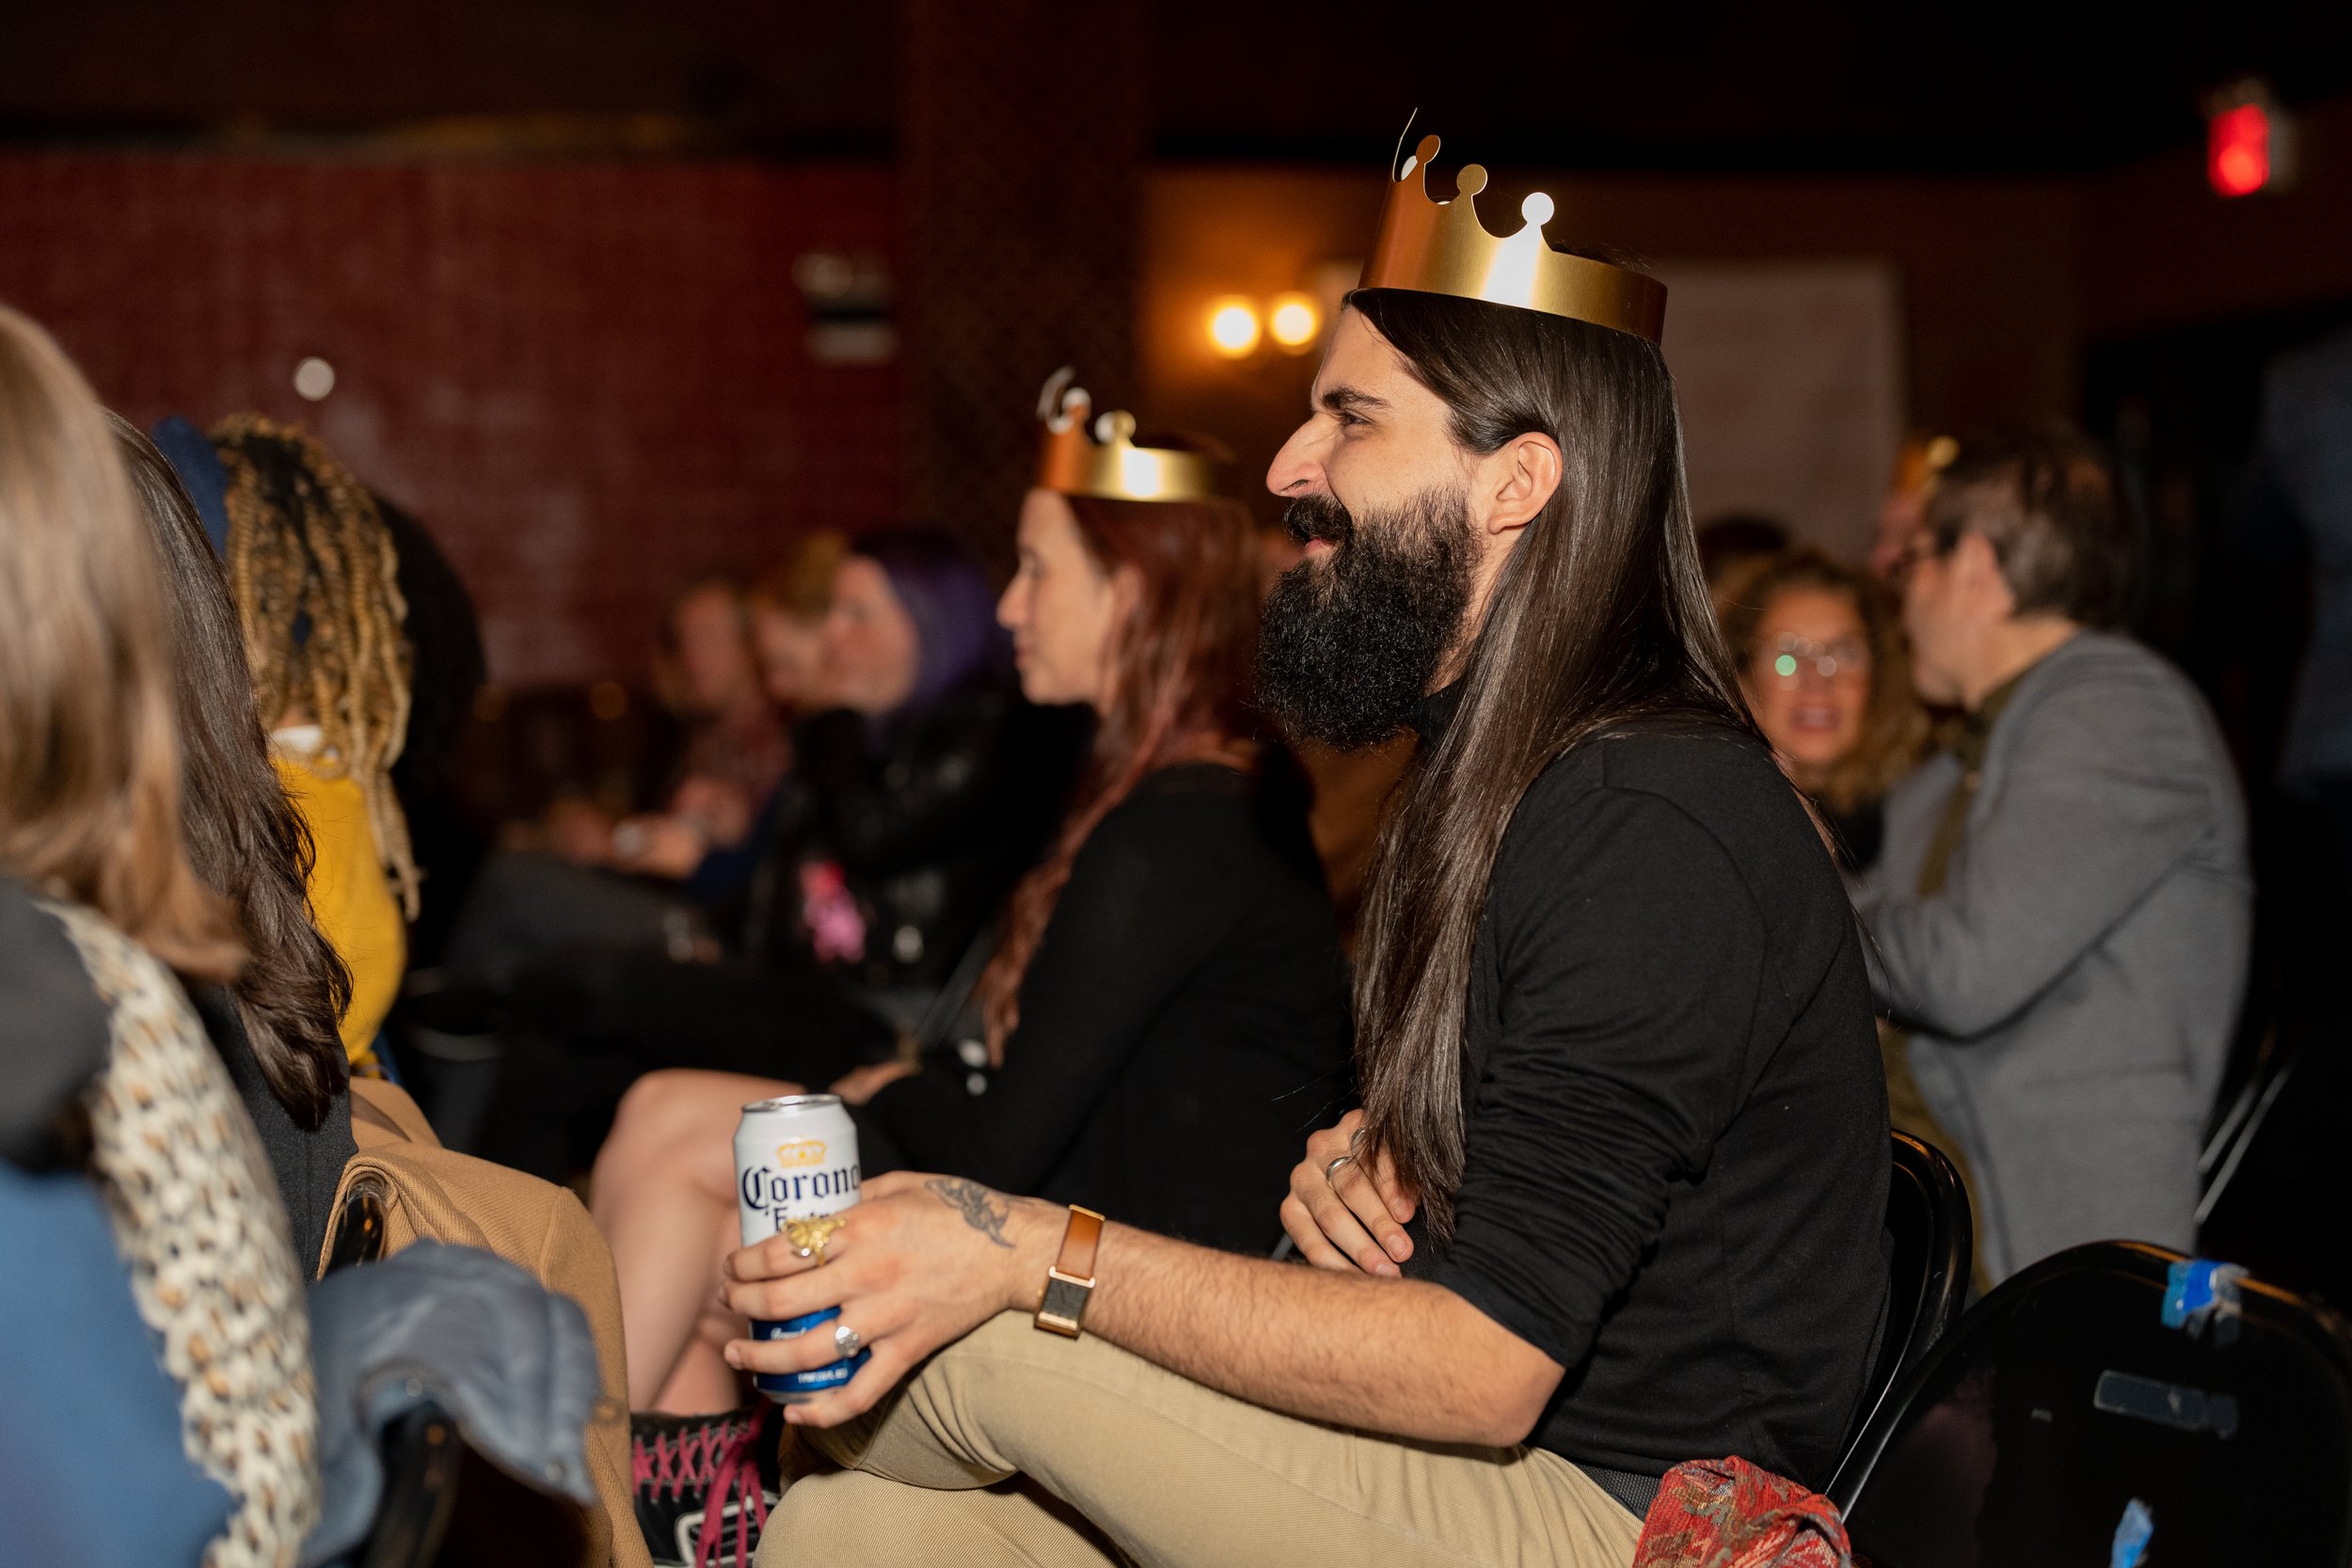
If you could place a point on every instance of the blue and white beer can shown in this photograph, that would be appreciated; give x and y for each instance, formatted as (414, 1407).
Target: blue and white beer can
(795, 1159)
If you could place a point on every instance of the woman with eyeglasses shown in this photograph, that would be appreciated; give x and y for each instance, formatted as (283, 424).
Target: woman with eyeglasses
(1820, 652)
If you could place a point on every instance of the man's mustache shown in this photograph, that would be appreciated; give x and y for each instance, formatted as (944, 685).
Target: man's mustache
(1313, 517)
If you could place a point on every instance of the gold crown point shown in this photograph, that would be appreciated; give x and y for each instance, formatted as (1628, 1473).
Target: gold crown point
(1063, 404)
(1427, 245)
(1078, 456)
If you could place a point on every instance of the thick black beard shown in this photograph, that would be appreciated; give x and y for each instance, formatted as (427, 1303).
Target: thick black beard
(1350, 641)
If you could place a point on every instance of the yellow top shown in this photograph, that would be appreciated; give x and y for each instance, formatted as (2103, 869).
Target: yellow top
(351, 898)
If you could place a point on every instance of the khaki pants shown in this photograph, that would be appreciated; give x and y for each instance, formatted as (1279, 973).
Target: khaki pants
(1166, 1472)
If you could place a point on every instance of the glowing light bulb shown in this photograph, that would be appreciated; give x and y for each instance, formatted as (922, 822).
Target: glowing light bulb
(1233, 327)
(1294, 321)
(314, 378)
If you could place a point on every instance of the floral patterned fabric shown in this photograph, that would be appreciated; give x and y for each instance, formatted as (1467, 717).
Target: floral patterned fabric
(1727, 1513)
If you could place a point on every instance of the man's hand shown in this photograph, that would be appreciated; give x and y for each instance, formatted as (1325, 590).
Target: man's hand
(1348, 1218)
(921, 1260)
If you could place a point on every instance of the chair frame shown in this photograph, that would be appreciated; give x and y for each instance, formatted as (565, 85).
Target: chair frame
(1943, 1293)
(2325, 1329)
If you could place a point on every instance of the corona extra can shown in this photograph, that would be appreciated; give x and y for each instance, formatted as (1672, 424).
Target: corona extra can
(795, 1159)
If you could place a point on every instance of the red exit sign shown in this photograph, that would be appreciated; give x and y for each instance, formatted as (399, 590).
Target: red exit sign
(2246, 141)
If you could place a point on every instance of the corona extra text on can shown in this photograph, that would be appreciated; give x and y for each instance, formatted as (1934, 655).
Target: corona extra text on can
(795, 1159)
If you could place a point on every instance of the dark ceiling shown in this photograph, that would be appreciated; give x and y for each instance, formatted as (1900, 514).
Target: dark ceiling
(1793, 85)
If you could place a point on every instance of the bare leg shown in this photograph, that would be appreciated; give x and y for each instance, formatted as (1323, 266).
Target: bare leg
(664, 1197)
(700, 1380)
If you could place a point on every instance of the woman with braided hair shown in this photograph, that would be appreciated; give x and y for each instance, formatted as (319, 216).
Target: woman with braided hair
(312, 570)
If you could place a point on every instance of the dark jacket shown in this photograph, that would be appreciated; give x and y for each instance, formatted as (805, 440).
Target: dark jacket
(931, 823)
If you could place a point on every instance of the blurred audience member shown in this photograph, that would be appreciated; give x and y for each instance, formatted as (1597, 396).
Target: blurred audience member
(446, 669)
(1732, 540)
(913, 805)
(2306, 466)
(1168, 977)
(788, 608)
(598, 882)
(736, 750)
(313, 576)
(706, 840)
(2062, 911)
(1821, 661)
(274, 1025)
(928, 791)
(97, 895)
(1917, 462)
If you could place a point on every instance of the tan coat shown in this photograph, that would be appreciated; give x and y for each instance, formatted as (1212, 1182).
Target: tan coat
(440, 1194)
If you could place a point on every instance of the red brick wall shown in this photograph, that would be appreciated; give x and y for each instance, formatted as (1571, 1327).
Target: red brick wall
(590, 380)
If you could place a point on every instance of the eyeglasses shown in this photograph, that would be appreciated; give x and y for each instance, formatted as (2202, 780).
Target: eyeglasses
(1789, 657)
(1922, 546)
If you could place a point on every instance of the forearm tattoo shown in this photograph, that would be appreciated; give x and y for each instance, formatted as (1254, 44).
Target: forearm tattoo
(982, 1209)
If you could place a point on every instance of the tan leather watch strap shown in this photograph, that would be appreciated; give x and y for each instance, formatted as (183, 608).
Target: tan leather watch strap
(1061, 1309)
(1078, 1244)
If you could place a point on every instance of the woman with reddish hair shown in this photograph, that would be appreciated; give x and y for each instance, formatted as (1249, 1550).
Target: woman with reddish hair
(1166, 1008)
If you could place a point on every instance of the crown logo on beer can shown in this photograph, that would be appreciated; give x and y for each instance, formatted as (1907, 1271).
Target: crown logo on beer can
(800, 1154)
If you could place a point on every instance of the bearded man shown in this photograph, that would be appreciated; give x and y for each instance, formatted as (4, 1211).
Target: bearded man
(1615, 1198)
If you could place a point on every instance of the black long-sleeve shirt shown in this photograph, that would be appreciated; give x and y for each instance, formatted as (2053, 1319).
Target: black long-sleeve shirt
(1184, 1024)
(1677, 1157)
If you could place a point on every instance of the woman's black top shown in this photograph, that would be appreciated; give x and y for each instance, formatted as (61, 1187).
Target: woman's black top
(308, 1164)
(1184, 1023)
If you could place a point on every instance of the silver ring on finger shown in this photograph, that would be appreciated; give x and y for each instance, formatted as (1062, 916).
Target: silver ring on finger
(1332, 1170)
(848, 1340)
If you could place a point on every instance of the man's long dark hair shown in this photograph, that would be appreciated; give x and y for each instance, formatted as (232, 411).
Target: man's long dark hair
(244, 838)
(1600, 617)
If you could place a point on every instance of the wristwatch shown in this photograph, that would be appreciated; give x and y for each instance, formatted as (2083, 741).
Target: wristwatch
(1071, 1281)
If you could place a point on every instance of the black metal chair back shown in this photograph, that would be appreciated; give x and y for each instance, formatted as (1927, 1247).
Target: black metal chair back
(2064, 1405)
(1931, 1247)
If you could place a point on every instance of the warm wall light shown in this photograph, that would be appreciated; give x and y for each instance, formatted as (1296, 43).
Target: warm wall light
(1294, 321)
(1233, 327)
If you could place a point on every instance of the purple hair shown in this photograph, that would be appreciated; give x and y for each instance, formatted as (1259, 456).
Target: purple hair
(940, 586)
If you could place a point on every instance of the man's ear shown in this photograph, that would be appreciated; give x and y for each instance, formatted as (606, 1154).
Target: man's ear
(1516, 482)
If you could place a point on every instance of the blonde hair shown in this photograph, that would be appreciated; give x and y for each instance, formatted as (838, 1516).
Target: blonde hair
(313, 573)
(801, 585)
(89, 756)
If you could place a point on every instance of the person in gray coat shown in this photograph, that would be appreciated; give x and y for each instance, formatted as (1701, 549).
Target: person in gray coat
(2062, 912)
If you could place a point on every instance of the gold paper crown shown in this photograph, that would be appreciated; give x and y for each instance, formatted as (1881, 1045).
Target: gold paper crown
(1439, 247)
(1104, 460)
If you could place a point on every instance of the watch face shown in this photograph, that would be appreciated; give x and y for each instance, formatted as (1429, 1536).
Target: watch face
(1064, 1300)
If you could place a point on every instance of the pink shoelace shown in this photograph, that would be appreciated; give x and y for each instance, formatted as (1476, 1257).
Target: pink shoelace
(721, 1461)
